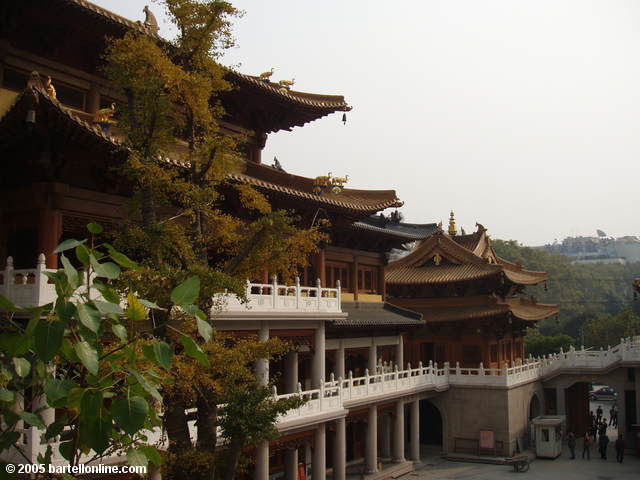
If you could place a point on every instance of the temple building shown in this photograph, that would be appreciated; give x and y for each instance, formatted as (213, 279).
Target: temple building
(469, 298)
(403, 334)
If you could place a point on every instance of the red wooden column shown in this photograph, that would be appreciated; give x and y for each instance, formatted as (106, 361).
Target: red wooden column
(354, 278)
(49, 233)
(319, 265)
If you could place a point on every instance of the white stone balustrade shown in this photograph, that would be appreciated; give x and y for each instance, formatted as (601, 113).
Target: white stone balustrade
(27, 287)
(271, 297)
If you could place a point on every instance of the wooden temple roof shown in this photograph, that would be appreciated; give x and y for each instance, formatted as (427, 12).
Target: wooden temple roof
(254, 104)
(276, 182)
(442, 258)
(409, 232)
(377, 314)
(353, 203)
(478, 307)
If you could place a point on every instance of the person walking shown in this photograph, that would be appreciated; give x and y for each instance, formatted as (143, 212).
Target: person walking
(586, 446)
(598, 413)
(603, 442)
(619, 448)
(603, 427)
(571, 443)
(612, 416)
(615, 418)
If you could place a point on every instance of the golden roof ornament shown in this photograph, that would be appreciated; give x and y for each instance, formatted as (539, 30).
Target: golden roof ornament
(264, 76)
(437, 259)
(337, 183)
(150, 21)
(452, 224)
(49, 88)
(287, 84)
(326, 183)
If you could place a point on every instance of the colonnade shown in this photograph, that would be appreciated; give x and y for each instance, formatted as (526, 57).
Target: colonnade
(378, 444)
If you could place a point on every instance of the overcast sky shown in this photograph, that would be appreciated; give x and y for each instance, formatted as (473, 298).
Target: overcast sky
(521, 115)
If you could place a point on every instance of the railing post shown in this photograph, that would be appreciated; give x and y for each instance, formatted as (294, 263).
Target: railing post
(366, 380)
(297, 293)
(274, 290)
(321, 392)
(395, 371)
(40, 280)
(319, 293)
(339, 295)
(457, 368)
(481, 369)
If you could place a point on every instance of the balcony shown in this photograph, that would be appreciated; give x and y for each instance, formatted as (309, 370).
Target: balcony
(271, 297)
(27, 287)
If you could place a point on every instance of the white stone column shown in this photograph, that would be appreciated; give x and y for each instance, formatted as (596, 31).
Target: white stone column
(340, 362)
(48, 415)
(319, 466)
(262, 462)
(415, 430)
(291, 464)
(340, 450)
(400, 353)
(317, 368)
(372, 361)
(371, 452)
(291, 371)
(385, 436)
(561, 407)
(398, 433)
(262, 365)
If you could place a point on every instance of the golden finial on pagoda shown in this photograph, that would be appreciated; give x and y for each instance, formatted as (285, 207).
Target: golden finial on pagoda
(49, 88)
(452, 224)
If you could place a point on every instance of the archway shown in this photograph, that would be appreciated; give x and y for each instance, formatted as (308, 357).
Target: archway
(431, 426)
(535, 407)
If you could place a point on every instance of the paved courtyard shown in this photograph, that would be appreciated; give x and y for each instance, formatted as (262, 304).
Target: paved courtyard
(560, 468)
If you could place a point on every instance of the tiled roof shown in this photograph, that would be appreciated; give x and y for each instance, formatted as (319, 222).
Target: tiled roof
(457, 262)
(383, 225)
(308, 106)
(477, 308)
(439, 274)
(272, 180)
(377, 314)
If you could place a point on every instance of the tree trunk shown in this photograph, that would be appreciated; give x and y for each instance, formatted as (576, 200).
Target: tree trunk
(207, 422)
(235, 451)
(175, 423)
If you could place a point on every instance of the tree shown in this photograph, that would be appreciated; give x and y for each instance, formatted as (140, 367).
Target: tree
(607, 330)
(538, 345)
(178, 227)
(92, 355)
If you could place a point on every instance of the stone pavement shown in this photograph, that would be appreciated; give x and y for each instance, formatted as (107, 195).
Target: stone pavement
(435, 468)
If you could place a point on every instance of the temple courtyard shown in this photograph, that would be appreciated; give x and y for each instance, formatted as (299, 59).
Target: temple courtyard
(560, 468)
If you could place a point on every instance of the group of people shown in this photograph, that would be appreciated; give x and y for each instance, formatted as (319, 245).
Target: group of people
(598, 434)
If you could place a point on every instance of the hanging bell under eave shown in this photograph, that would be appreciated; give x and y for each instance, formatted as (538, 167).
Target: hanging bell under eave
(344, 118)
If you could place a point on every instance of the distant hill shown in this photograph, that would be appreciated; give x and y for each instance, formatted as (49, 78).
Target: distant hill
(583, 291)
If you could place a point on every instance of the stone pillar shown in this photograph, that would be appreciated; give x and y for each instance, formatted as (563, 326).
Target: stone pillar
(291, 464)
(400, 353)
(319, 467)
(415, 430)
(291, 372)
(398, 433)
(48, 415)
(340, 450)
(371, 451)
(561, 408)
(318, 366)
(340, 362)
(261, 471)
(262, 365)
(373, 357)
(385, 436)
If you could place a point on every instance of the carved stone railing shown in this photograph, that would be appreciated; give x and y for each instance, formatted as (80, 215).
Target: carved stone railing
(27, 287)
(271, 297)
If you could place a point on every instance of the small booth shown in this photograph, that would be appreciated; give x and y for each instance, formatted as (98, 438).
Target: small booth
(548, 432)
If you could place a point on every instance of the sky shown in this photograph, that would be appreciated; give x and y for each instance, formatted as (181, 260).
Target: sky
(522, 115)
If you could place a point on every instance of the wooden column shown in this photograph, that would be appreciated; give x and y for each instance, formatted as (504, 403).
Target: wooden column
(354, 278)
(319, 265)
(382, 287)
(49, 232)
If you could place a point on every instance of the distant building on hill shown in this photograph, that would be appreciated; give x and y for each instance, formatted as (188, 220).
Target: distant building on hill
(598, 249)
